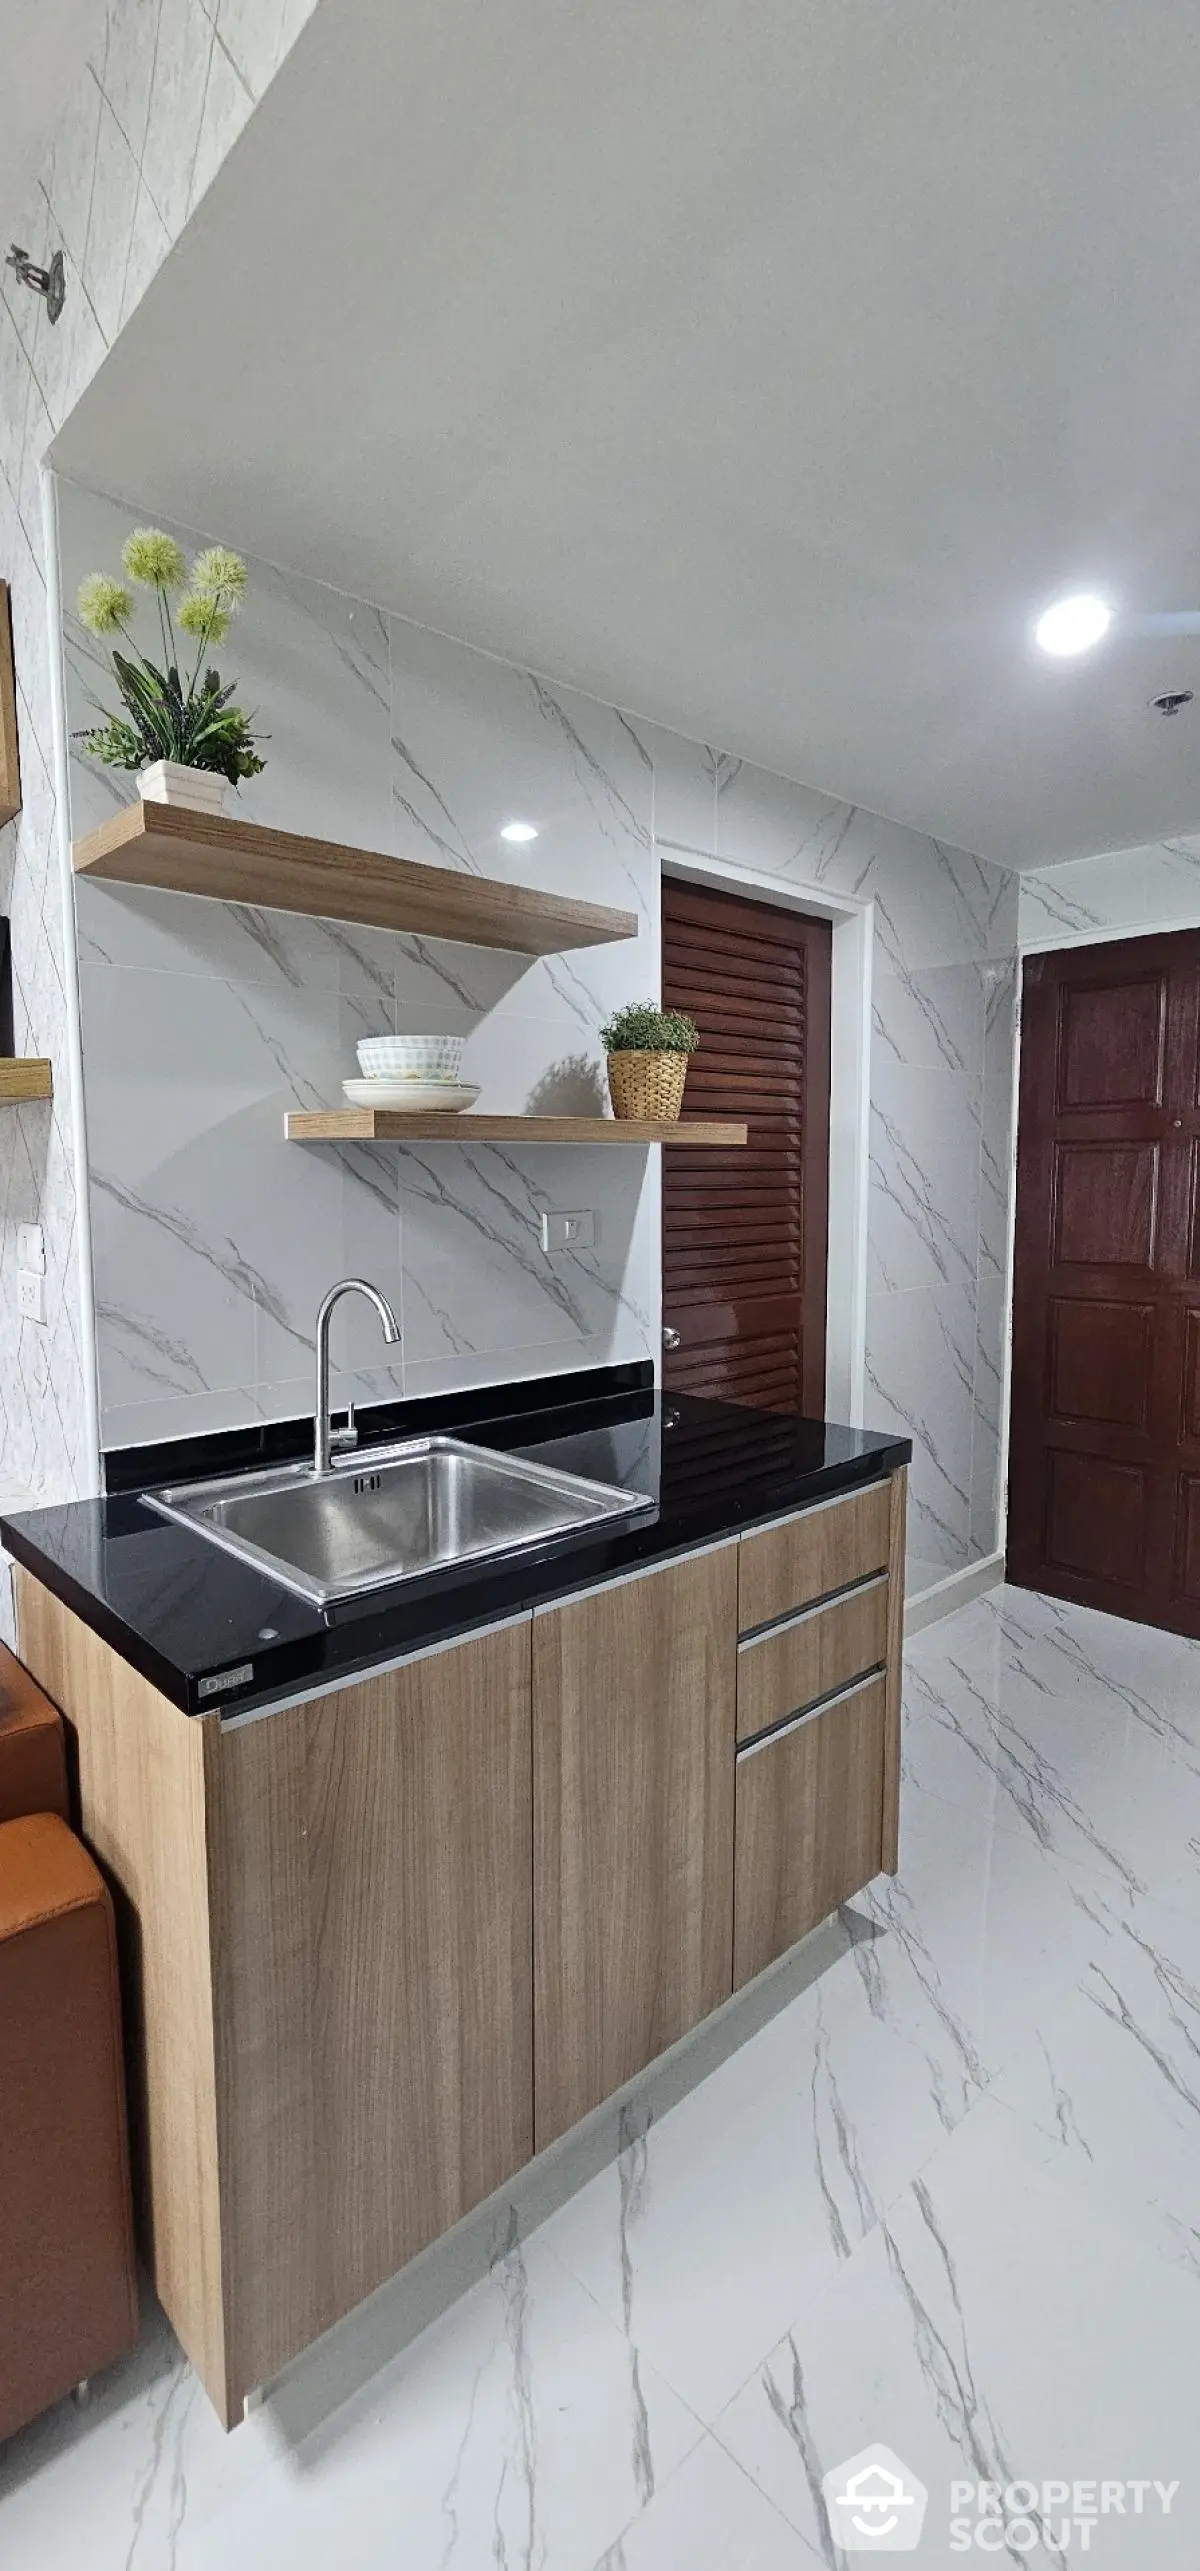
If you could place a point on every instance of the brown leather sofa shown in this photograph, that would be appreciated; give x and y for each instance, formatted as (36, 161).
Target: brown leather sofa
(68, 2291)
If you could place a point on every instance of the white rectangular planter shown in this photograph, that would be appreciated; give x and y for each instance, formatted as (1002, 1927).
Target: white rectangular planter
(195, 789)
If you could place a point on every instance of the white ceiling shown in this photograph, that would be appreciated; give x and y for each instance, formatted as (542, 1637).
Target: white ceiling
(42, 45)
(762, 368)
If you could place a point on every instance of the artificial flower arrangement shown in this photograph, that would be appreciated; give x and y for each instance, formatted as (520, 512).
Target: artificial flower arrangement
(188, 723)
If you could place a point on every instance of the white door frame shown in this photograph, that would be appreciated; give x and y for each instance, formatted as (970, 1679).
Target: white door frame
(853, 921)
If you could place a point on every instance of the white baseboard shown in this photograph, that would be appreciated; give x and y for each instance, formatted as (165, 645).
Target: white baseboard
(956, 1590)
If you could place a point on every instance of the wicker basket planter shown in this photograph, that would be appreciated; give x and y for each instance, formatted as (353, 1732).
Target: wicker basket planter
(647, 1084)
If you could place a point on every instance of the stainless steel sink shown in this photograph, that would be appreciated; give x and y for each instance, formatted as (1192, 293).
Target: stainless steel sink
(392, 1515)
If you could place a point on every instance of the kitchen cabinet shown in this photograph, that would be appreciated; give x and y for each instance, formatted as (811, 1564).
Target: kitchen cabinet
(373, 1915)
(809, 1823)
(327, 1935)
(633, 1701)
(381, 1943)
(818, 1716)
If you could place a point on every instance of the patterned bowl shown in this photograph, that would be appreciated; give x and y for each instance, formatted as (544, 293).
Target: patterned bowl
(424, 1058)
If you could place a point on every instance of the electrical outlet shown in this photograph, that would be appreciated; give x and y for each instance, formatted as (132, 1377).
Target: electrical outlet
(31, 1248)
(31, 1296)
(569, 1231)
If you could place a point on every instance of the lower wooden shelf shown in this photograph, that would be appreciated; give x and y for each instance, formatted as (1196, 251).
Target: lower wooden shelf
(22, 1078)
(388, 1125)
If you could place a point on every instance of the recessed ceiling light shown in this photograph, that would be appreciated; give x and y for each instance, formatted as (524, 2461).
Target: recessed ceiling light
(518, 833)
(1073, 625)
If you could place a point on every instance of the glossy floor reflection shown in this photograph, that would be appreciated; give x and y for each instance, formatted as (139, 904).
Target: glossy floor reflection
(938, 2187)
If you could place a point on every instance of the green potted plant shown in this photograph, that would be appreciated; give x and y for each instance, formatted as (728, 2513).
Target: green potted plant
(181, 736)
(648, 1051)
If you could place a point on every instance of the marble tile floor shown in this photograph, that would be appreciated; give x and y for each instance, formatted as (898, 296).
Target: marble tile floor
(934, 2182)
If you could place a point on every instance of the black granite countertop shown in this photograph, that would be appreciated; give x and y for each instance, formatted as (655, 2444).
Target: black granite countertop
(183, 1612)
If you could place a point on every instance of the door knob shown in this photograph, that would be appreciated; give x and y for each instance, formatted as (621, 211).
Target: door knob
(670, 1337)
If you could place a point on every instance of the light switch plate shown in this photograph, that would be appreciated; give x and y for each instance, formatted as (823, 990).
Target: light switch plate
(569, 1231)
(31, 1296)
(31, 1248)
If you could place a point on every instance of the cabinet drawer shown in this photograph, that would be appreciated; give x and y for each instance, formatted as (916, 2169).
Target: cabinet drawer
(781, 1672)
(808, 1825)
(825, 1548)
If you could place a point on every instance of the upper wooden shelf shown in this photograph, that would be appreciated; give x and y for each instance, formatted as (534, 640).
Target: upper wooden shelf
(388, 1125)
(232, 860)
(24, 1077)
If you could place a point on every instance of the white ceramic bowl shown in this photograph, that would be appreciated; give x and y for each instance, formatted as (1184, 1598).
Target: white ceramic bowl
(423, 1058)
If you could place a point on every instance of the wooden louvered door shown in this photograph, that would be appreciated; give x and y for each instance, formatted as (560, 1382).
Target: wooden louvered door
(744, 1232)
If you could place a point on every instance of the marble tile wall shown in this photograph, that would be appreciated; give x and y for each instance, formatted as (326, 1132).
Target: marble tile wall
(213, 1240)
(202, 1022)
(146, 120)
(1136, 889)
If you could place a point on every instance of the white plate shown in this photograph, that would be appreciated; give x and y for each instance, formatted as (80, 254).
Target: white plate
(414, 1097)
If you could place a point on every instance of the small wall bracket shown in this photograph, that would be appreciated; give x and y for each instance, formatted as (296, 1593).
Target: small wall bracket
(50, 282)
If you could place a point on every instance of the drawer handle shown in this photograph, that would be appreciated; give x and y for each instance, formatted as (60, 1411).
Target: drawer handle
(803, 1615)
(795, 1722)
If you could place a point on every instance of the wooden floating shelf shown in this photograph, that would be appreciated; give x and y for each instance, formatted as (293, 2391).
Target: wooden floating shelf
(389, 1125)
(232, 860)
(24, 1078)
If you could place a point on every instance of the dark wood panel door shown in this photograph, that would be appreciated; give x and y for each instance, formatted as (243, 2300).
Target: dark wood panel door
(1104, 1459)
(745, 1236)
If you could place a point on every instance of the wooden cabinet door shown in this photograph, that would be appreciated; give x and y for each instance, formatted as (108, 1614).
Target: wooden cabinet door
(809, 1824)
(633, 1695)
(371, 1860)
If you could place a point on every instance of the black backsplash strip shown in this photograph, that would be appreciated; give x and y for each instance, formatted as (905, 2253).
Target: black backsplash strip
(289, 1441)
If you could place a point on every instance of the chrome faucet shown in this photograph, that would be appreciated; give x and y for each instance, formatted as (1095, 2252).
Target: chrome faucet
(322, 1439)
